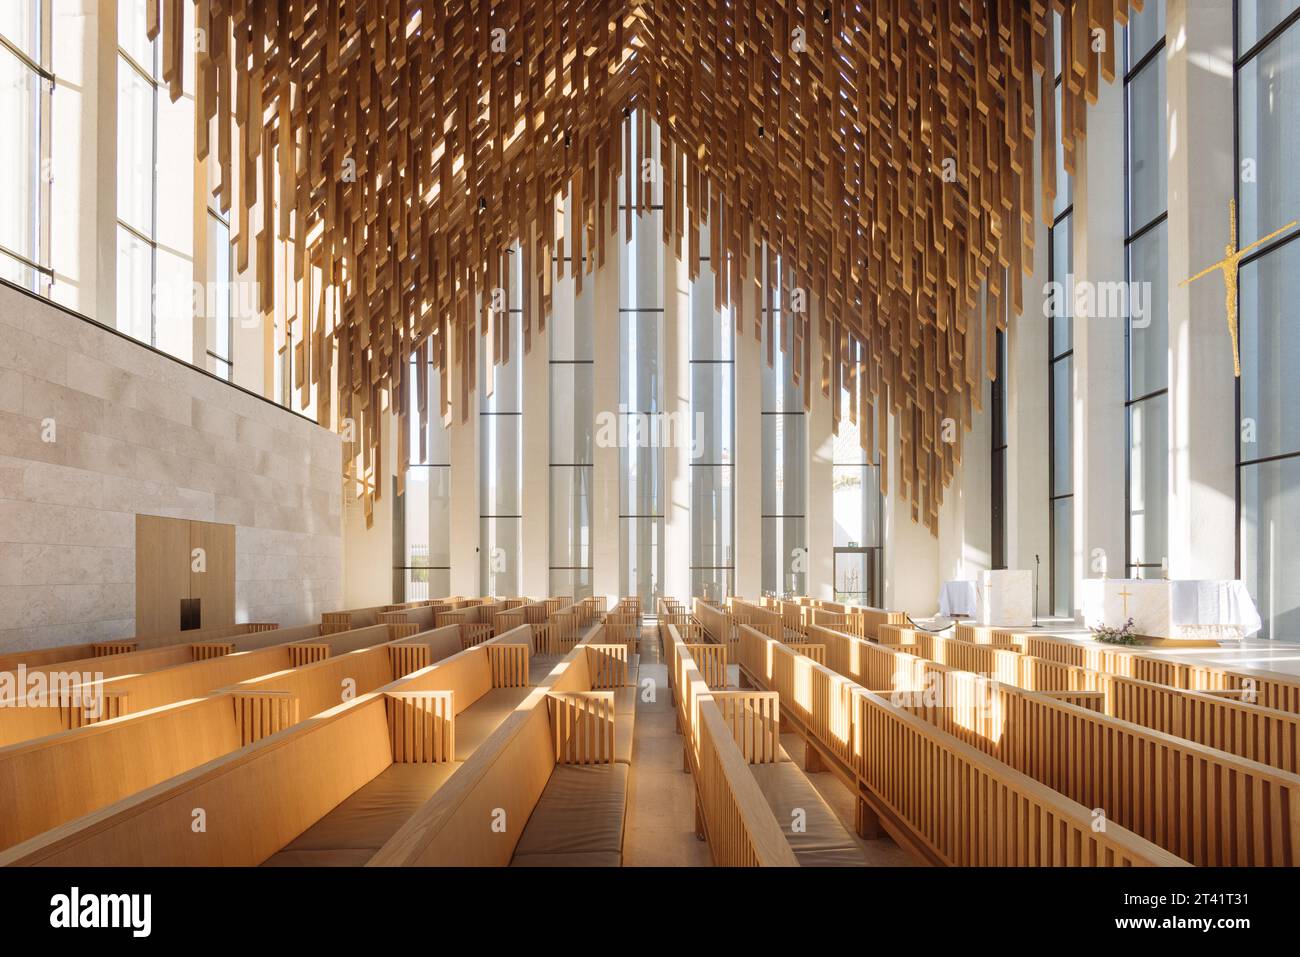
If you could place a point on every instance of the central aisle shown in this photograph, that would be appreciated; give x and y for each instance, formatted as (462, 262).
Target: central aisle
(660, 830)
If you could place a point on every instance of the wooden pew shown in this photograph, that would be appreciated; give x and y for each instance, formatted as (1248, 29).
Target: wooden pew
(1181, 795)
(937, 796)
(747, 788)
(91, 767)
(551, 775)
(41, 657)
(263, 797)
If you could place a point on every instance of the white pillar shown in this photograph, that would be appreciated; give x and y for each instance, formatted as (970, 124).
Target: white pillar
(1098, 434)
(821, 456)
(677, 409)
(464, 487)
(1202, 393)
(606, 527)
(535, 580)
(911, 552)
(965, 543)
(1027, 410)
(749, 453)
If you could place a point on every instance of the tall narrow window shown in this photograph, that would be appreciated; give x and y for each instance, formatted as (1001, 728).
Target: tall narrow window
(856, 505)
(137, 197)
(1268, 436)
(785, 458)
(572, 421)
(422, 515)
(220, 318)
(713, 458)
(26, 84)
(641, 316)
(998, 458)
(1147, 262)
(501, 444)
(1060, 391)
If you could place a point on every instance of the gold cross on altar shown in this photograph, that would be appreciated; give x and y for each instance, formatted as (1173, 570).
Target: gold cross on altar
(1229, 265)
(1124, 595)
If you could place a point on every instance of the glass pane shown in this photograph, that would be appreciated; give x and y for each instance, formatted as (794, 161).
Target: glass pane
(780, 391)
(427, 505)
(1255, 18)
(24, 276)
(1270, 353)
(642, 558)
(499, 569)
(438, 437)
(641, 468)
(132, 32)
(135, 149)
(134, 286)
(508, 376)
(641, 262)
(20, 24)
(712, 431)
(1270, 544)
(573, 415)
(20, 99)
(639, 385)
(1149, 481)
(574, 582)
(712, 332)
(571, 516)
(571, 327)
(1145, 29)
(1064, 185)
(785, 463)
(500, 455)
(1148, 265)
(1269, 115)
(847, 449)
(855, 577)
(711, 516)
(1063, 288)
(1148, 158)
(1062, 438)
(1063, 558)
(856, 505)
(785, 556)
(218, 298)
(173, 325)
(712, 584)
(420, 584)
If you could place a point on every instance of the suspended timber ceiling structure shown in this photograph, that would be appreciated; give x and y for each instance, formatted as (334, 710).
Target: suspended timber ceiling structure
(883, 150)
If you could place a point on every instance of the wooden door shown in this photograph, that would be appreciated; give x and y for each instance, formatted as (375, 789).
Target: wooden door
(162, 573)
(212, 572)
(178, 562)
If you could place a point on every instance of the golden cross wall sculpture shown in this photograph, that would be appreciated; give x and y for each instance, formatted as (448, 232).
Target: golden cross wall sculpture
(883, 150)
(1230, 266)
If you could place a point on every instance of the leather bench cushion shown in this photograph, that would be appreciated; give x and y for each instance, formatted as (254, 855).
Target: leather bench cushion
(475, 723)
(369, 816)
(580, 812)
(825, 842)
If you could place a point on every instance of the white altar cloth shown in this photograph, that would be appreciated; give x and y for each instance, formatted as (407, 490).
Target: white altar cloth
(1190, 609)
(958, 598)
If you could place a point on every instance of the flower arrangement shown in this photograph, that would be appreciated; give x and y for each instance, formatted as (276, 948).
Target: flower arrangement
(1115, 636)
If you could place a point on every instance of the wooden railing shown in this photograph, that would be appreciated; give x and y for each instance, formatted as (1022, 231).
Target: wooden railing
(582, 723)
(711, 660)
(754, 718)
(203, 650)
(607, 665)
(259, 714)
(422, 726)
(509, 664)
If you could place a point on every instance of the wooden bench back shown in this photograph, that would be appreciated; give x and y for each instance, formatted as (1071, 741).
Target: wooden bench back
(918, 774)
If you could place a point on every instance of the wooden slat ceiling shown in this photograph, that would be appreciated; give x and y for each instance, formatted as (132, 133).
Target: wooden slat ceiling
(408, 144)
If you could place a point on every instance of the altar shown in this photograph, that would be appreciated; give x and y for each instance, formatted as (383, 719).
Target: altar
(1180, 611)
(1006, 598)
